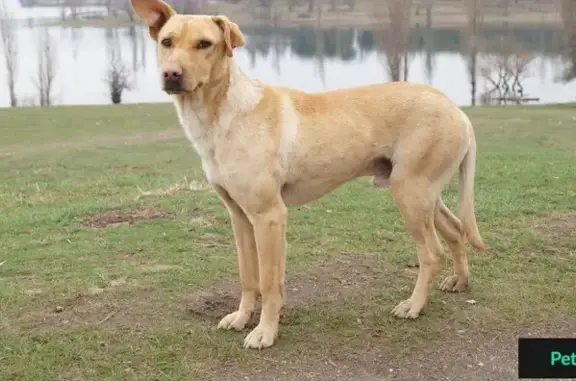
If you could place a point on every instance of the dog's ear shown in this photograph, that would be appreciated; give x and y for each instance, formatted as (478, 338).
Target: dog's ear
(233, 37)
(154, 13)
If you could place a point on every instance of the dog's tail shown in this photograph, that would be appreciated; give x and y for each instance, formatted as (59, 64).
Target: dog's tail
(466, 195)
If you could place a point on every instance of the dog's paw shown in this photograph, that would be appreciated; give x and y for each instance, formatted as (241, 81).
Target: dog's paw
(406, 310)
(236, 320)
(454, 283)
(260, 337)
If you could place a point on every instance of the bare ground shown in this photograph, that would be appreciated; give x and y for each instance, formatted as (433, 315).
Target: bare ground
(461, 355)
(329, 281)
(559, 225)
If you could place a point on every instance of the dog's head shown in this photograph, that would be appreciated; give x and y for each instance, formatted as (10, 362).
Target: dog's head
(191, 48)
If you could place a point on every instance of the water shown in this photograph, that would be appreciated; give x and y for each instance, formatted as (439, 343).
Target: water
(284, 57)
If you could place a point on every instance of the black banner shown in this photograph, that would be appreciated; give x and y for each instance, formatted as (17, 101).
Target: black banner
(546, 358)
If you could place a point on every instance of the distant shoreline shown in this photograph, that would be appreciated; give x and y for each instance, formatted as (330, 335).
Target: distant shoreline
(324, 24)
(361, 17)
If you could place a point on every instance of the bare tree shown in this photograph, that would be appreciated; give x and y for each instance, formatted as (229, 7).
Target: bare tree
(134, 42)
(429, 40)
(569, 22)
(504, 70)
(291, 4)
(126, 6)
(474, 16)
(47, 65)
(62, 10)
(394, 37)
(117, 80)
(108, 6)
(74, 7)
(118, 74)
(505, 6)
(320, 51)
(8, 38)
(311, 5)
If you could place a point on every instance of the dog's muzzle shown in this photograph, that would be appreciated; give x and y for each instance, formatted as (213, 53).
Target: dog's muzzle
(173, 81)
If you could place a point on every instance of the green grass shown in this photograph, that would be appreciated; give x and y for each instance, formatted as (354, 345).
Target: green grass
(125, 290)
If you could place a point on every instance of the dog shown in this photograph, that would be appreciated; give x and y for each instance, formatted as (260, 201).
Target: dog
(265, 148)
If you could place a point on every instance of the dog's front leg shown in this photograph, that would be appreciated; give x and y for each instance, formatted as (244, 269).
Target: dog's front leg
(269, 225)
(247, 264)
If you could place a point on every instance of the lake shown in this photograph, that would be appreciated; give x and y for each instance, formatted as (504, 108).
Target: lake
(278, 56)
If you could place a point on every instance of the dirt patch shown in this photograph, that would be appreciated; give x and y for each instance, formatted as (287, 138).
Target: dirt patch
(33, 291)
(460, 355)
(72, 374)
(113, 218)
(213, 304)
(202, 221)
(558, 226)
(477, 355)
(330, 281)
(157, 268)
(336, 279)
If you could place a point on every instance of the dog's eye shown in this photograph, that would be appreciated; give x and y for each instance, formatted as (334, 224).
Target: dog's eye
(167, 43)
(204, 44)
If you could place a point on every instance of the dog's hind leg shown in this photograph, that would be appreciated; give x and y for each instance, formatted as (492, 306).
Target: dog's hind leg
(416, 199)
(450, 228)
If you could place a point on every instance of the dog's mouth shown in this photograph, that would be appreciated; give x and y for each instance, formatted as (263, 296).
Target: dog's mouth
(174, 91)
(178, 89)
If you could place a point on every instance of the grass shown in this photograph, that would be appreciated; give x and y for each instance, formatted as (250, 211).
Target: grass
(88, 303)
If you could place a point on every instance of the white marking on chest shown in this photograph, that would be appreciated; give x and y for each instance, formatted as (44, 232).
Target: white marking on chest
(194, 121)
(243, 94)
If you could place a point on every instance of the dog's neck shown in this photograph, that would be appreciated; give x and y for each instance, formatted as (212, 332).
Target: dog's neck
(228, 93)
(209, 115)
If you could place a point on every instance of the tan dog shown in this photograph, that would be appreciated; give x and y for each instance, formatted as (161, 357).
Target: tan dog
(264, 148)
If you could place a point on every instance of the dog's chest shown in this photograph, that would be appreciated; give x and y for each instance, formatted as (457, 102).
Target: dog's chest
(203, 139)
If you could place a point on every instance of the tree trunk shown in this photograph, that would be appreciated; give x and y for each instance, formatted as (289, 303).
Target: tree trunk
(311, 5)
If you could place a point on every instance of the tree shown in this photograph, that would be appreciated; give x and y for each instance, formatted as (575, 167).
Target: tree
(569, 22)
(8, 38)
(127, 7)
(311, 5)
(428, 40)
(504, 69)
(118, 74)
(394, 37)
(117, 79)
(474, 18)
(74, 6)
(47, 66)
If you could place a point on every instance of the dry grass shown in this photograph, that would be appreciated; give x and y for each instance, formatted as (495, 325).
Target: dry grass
(177, 188)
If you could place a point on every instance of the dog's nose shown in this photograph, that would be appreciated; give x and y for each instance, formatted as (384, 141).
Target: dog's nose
(173, 77)
(172, 74)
